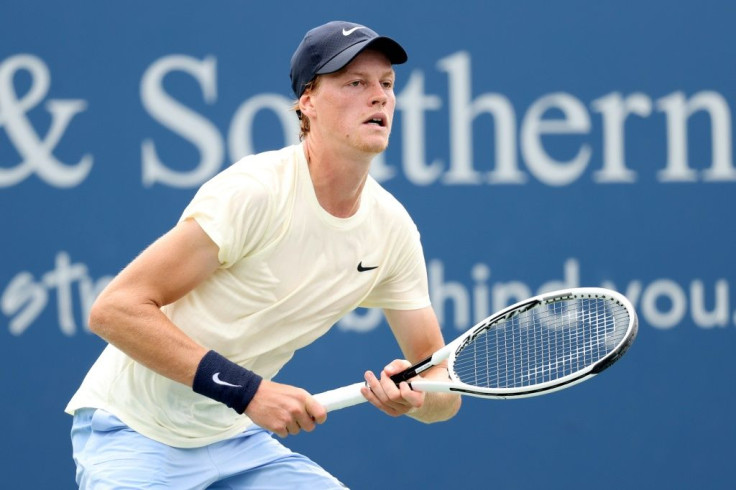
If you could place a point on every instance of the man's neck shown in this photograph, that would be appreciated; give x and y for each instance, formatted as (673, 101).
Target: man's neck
(338, 179)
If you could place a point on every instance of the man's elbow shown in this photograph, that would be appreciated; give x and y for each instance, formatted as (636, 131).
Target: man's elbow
(101, 317)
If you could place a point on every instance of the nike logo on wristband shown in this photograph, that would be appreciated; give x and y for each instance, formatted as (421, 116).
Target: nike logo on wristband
(216, 379)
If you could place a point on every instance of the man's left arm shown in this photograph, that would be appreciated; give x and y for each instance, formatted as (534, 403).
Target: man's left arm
(419, 336)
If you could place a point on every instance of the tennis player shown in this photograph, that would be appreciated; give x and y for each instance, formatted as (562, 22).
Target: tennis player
(268, 255)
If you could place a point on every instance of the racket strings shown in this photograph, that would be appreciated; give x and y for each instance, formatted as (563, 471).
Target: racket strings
(542, 344)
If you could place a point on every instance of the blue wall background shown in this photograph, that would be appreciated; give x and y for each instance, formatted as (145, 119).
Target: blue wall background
(537, 144)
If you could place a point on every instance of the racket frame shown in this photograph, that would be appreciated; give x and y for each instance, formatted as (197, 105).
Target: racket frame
(449, 351)
(351, 394)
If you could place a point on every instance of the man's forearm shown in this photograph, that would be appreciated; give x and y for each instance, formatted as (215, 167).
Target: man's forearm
(437, 407)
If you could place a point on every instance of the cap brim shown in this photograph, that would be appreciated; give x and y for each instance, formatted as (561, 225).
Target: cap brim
(386, 45)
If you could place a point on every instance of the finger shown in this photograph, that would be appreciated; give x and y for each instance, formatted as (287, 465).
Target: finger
(316, 411)
(393, 398)
(373, 391)
(376, 388)
(305, 421)
(293, 428)
(389, 387)
(306, 424)
(376, 393)
(414, 398)
(367, 393)
(396, 366)
(385, 406)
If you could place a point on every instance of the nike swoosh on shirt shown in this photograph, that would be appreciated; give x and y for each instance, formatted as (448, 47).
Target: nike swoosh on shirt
(363, 269)
(216, 379)
(347, 32)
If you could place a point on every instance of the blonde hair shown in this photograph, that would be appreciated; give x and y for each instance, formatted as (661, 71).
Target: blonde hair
(304, 120)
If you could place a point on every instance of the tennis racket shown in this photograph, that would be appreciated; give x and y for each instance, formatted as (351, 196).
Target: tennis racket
(543, 344)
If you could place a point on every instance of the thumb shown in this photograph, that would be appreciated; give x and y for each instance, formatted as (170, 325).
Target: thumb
(396, 366)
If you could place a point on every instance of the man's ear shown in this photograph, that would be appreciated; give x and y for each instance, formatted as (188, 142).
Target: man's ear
(305, 104)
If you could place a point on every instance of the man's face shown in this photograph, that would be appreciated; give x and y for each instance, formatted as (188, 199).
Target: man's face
(354, 107)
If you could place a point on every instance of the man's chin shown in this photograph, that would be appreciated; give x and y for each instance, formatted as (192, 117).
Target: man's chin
(374, 147)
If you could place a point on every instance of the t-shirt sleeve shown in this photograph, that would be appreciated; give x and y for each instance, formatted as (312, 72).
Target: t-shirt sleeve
(234, 211)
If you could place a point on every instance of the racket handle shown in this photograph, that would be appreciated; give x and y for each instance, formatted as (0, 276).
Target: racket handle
(347, 396)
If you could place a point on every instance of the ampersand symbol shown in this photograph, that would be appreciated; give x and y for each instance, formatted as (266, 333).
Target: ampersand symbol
(37, 152)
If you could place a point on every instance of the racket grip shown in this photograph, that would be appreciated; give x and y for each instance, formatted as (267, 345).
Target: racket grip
(344, 397)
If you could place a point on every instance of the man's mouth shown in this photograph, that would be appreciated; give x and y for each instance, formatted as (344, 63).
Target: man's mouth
(377, 120)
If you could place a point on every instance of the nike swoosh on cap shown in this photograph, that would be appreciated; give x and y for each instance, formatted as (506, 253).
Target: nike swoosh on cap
(347, 32)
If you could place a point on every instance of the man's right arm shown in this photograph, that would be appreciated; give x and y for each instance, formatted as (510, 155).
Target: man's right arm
(128, 315)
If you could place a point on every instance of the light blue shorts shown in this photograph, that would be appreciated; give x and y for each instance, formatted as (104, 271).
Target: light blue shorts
(110, 455)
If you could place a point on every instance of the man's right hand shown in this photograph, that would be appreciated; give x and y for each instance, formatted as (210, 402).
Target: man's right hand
(284, 409)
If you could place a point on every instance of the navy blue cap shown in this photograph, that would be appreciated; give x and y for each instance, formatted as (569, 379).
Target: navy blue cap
(329, 47)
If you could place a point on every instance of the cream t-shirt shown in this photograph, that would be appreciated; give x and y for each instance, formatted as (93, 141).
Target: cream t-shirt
(289, 271)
